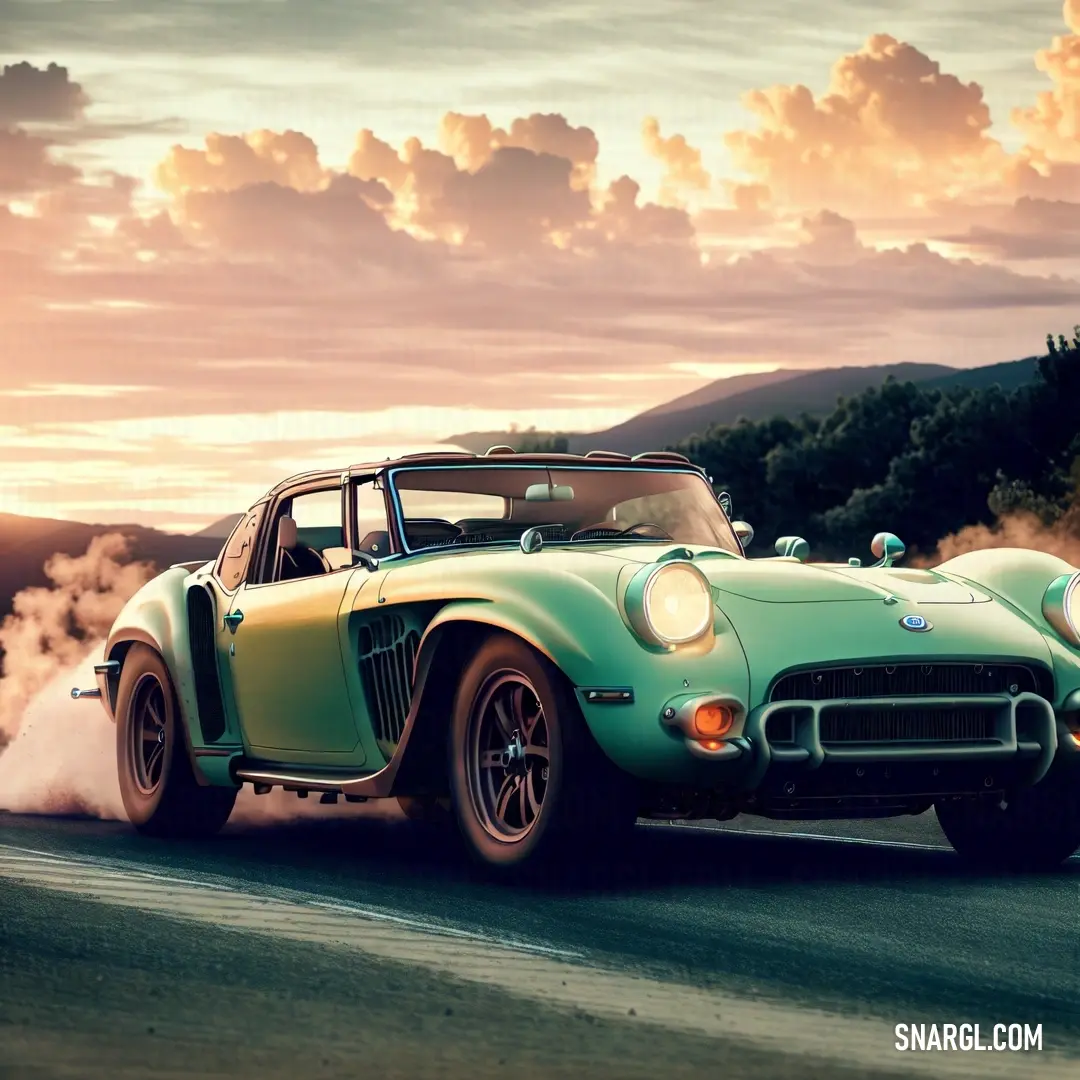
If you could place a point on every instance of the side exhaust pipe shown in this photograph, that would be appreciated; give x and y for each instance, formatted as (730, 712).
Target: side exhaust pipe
(109, 667)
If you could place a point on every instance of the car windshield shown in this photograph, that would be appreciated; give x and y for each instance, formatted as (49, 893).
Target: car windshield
(451, 506)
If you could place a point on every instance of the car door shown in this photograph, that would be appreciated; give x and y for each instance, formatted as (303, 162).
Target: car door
(282, 641)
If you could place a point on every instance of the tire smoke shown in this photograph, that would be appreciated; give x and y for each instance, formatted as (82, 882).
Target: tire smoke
(1014, 531)
(58, 755)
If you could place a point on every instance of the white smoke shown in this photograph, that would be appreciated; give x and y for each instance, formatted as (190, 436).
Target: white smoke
(63, 759)
(54, 628)
(60, 754)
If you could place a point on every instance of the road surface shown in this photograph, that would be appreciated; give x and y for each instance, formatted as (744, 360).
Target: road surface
(355, 947)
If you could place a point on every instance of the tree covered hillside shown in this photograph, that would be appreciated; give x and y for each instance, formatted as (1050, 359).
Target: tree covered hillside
(920, 461)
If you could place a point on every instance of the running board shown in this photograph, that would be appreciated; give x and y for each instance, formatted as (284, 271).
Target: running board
(354, 788)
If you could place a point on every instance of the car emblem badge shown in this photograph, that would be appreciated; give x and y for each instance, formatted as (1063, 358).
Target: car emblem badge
(916, 623)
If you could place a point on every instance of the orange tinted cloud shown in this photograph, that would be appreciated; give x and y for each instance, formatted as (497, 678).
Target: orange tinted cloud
(275, 218)
(229, 162)
(484, 268)
(26, 164)
(683, 171)
(1052, 125)
(622, 217)
(472, 139)
(892, 130)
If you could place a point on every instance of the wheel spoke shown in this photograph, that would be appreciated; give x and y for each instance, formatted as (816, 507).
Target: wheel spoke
(517, 699)
(530, 790)
(151, 708)
(506, 795)
(153, 762)
(505, 720)
(530, 720)
(535, 750)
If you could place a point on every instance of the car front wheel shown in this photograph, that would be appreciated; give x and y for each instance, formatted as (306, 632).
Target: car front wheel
(530, 785)
(157, 784)
(1037, 828)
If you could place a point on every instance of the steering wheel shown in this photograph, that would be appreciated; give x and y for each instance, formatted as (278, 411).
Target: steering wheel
(632, 530)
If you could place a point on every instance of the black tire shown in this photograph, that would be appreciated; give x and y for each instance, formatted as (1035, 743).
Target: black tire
(583, 805)
(159, 789)
(1038, 829)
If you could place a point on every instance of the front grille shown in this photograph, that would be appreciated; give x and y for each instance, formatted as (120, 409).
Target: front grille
(868, 725)
(907, 680)
(387, 653)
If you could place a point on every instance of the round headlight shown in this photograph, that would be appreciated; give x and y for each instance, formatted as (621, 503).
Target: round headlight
(670, 604)
(1061, 607)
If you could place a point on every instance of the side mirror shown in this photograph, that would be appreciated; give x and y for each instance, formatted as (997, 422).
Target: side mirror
(365, 558)
(744, 531)
(724, 499)
(887, 548)
(793, 547)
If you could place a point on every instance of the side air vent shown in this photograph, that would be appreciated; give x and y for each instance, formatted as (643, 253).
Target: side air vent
(387, 654)
(200, 610)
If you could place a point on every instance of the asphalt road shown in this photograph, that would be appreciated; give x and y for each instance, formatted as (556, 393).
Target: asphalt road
(878, 923)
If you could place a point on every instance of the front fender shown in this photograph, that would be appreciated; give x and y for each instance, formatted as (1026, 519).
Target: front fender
(1019, 577)
(585, 636)
(536, 626)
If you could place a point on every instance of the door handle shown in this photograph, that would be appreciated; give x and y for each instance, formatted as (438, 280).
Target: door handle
(233, 619)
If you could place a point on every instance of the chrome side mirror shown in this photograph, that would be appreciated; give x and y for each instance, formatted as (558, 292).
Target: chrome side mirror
(793, 547)
(887, 548)
(744, 531)
(724, 499)
(532, 540)
(365, 559)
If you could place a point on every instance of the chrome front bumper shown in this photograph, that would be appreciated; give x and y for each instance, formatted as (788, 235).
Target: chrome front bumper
(1024, 729)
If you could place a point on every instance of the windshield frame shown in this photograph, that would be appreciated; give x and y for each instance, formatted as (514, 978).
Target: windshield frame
(397, 511)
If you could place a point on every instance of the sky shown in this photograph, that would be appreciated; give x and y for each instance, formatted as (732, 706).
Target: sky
(241, 238)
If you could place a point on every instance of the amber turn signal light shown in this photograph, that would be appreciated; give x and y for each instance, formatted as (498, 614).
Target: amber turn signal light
(712, 721)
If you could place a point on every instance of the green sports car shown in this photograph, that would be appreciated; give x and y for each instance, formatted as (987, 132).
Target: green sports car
(548, 647)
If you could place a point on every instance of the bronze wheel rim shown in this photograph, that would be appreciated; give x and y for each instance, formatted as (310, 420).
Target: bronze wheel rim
(149, 739)
(507, 756)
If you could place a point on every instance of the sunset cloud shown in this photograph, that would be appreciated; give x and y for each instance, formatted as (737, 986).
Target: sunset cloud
(228, 162)
(26, 164)
(892, 129)
(1052, 124)
(472, 141)
(30, 94)
(683, 171)
(291, 296)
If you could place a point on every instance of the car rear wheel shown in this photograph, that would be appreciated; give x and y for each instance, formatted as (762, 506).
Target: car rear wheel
(429, 811)
(530, 785)
(157, 784)
(1037, 828)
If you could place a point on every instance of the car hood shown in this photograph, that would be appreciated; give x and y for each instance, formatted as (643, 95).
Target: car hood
(771, 581)
(782, 581)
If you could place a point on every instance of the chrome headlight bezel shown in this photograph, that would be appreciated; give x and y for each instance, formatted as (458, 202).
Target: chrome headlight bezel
(1061, 607)
(638, 596)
